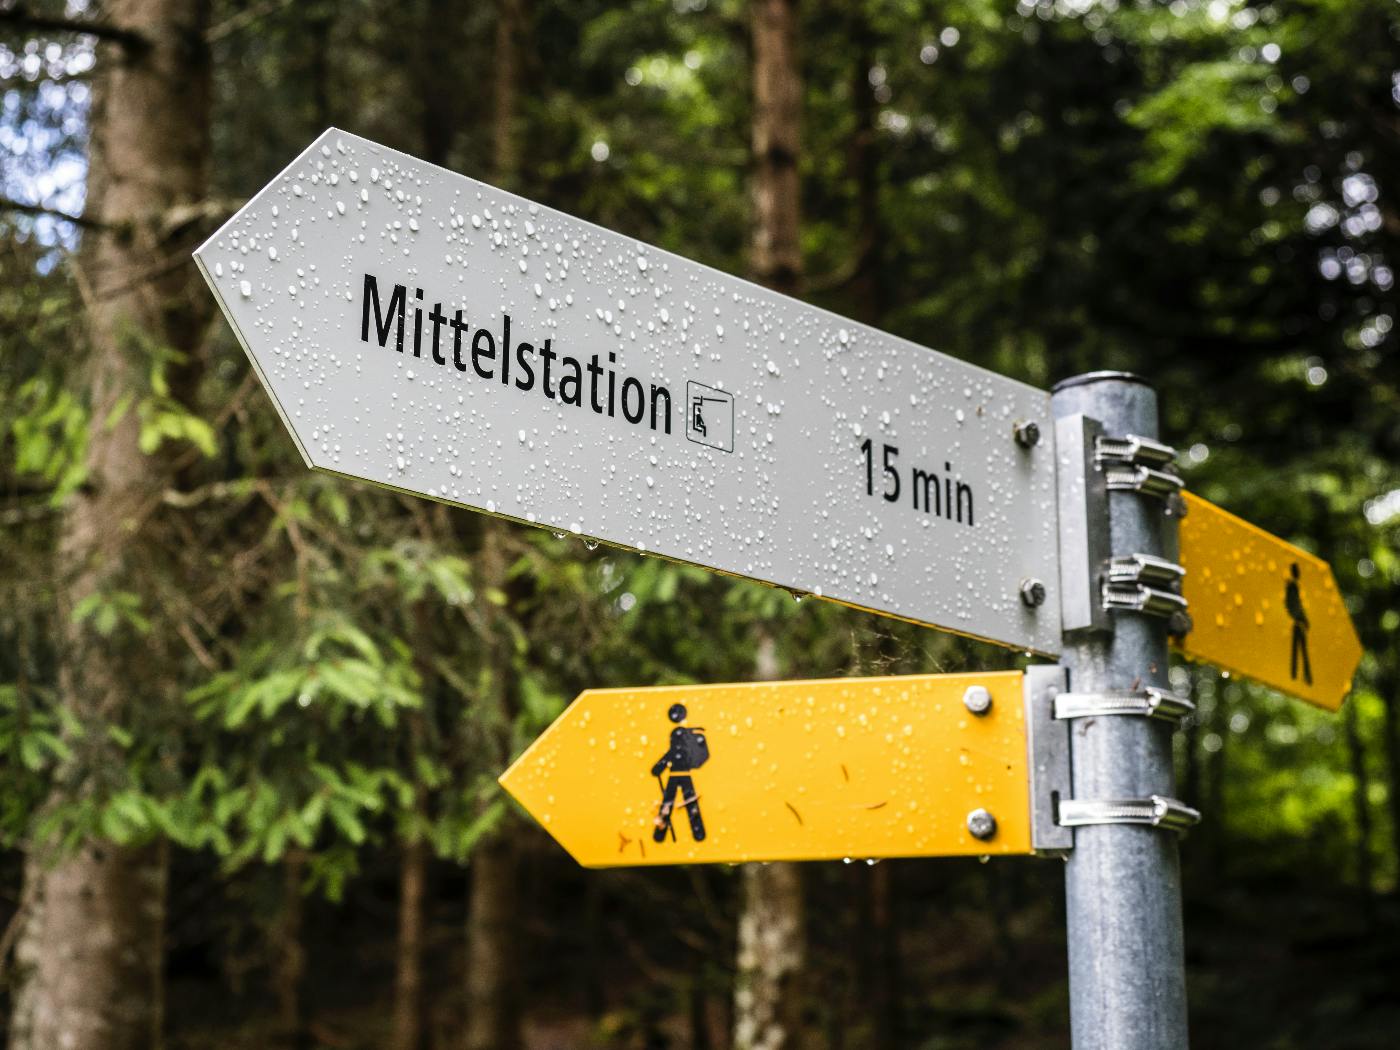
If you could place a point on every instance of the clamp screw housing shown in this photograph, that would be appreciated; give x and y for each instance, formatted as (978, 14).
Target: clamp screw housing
(1179, 624)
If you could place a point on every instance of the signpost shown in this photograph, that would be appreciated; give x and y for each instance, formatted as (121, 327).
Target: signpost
(926, 765)
(1265, 609)
(429, 333)
(1123, 877)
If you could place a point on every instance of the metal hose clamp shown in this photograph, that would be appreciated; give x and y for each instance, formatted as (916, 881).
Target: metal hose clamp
(1156, 811)
(1149, 482)
(1143, 583)
(1134, 450)
(1151, 702)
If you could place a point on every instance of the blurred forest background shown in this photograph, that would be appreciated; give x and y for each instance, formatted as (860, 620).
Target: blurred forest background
(251, 718)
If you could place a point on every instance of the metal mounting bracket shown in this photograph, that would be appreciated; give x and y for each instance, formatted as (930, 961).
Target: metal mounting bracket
(1156, 811)
(1090, 466)
(1047, 758)
(1084, 534)
(1151, 702)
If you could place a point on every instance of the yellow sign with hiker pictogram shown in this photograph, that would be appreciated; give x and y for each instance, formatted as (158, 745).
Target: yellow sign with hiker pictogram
(923, 765)
(1264, 609)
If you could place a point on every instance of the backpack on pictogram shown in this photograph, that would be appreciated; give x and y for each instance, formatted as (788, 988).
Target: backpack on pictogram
(694, 747)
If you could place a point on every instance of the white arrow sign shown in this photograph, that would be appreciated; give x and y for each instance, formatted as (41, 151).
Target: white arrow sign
(428, 332)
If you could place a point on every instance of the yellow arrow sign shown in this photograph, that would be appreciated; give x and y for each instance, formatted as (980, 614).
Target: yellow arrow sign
(807, 770)
(1264, 608)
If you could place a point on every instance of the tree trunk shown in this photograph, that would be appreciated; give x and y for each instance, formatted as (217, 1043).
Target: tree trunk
(777, 109)
(867, 287)
(698, 1008)
(768, 1007)
(877, 954)
(90, 958)
(320, 22)
(91, 951)
(505, 143)
(493, 1000)
(440, 40)
(768, 997)
(408, 973)
(415, 852)
(1216, 807)
(290, 971)
(1361, 801)
(493, 910)
(1389, 686)
(882, 996)
(1191, 774)
(494, 1007)
(595, 998)
(769, 1000)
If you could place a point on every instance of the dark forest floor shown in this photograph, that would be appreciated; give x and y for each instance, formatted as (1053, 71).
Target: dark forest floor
(1273, 964)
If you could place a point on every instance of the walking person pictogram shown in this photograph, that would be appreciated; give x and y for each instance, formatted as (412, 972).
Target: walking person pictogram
(1293, 601)
(688, 752)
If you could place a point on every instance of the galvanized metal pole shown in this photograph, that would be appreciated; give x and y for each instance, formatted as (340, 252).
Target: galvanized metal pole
(1122, 881)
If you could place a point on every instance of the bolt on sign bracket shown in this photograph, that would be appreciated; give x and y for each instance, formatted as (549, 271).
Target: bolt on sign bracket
(1156, 811)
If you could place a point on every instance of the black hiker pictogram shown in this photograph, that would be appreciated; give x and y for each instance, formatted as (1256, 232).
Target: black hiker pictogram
(1293, 600)
(688, 751)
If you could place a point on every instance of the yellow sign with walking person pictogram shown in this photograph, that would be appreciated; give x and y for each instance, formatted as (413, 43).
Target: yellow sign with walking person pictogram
(924, 765)
(1265, 609)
